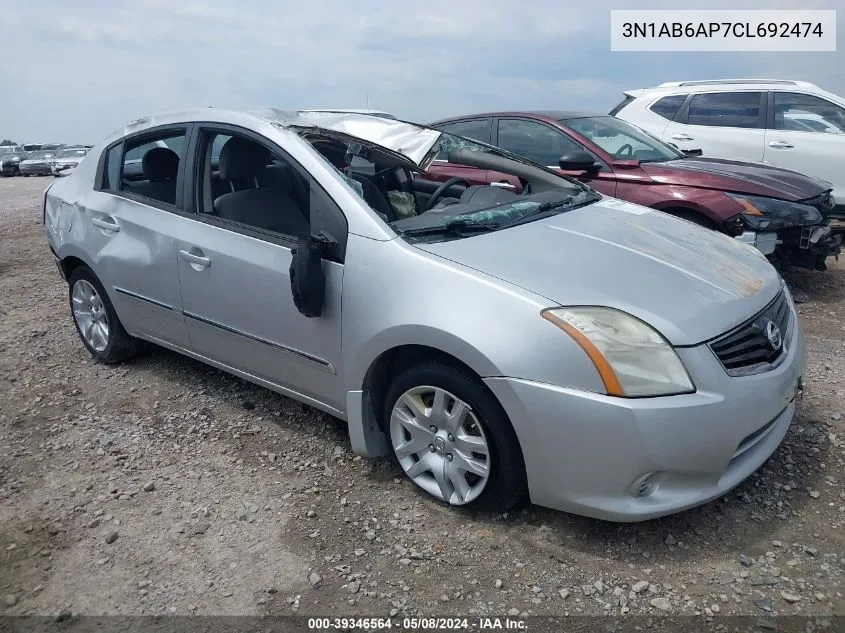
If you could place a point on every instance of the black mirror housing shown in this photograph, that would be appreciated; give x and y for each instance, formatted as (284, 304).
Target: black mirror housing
(307, 279)
(578, 161)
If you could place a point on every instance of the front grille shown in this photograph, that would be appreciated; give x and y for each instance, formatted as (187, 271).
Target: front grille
(749, 348)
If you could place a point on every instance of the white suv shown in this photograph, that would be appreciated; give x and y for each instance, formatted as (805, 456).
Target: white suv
(790, 124)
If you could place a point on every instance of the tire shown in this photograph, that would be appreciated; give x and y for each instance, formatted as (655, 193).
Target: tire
(90, 305)
(421, 453)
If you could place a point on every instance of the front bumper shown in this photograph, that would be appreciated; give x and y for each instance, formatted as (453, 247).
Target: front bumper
(41, 169)
(587, 453)
(806, 247)
(9, 168)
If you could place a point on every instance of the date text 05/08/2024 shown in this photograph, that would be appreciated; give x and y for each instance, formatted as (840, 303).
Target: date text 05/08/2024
(416, 624)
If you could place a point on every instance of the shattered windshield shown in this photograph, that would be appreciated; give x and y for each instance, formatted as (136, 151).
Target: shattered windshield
(413, 202)
(495, 210)
(449, 143)
(622, 140)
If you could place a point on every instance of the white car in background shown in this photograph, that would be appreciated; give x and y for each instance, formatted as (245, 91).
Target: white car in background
(791, 124)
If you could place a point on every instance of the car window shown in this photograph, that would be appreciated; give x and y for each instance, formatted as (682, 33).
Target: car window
(476, 129)
(622, 140)
(807, 113)
(111, 182)
(668, 107)
(155, 178)
(246, 182)
(535, 141)
(725, 109)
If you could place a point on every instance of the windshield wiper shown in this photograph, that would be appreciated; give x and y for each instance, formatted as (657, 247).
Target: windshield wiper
(455, 227)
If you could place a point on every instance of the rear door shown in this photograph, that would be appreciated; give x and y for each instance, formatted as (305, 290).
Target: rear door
(722, 125)
(130, 235)
(544, 144)
(807, 134)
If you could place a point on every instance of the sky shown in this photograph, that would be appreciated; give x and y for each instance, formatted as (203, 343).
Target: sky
(83, 68)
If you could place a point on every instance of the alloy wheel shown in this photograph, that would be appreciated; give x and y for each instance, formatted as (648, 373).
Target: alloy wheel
(90, 315)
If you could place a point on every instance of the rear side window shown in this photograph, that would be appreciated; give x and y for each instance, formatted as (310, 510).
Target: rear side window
(113, 162)
(668, 107)
(628, 99)
(147, 166)
(725, 109)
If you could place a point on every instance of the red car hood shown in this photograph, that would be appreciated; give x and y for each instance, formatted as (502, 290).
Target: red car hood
(757, 179)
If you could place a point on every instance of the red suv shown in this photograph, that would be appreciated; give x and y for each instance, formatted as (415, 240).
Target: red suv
(781, 212)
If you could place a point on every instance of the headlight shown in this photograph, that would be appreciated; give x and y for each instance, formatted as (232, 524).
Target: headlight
(630, 356)
(771, 214)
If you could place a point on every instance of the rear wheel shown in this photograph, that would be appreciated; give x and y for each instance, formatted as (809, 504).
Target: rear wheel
(453, 439)
(96, 320)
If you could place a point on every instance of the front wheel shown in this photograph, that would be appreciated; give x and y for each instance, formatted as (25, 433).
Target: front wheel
(453, 439)
(96, 320)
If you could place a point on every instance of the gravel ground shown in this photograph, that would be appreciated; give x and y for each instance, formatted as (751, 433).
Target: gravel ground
(164, 486)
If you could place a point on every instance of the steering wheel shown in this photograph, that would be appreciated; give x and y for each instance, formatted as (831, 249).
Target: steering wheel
(627, 149)
(438, 193)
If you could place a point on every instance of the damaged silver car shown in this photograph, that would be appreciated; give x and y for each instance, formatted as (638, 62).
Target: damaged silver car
(556, 345)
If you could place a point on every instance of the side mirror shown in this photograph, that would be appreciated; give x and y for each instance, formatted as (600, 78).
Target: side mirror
(307, 280)
(692, 152)
(578, 161)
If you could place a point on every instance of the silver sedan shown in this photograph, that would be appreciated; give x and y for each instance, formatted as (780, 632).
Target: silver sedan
(560, 346)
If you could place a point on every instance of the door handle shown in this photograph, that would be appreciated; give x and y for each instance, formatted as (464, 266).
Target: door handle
(781, 145)
(682, 137)
(105, 225)
(503, 184)
(199, 260)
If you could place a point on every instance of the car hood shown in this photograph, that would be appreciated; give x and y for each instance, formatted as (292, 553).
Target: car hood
(758, 179)
(690, 283)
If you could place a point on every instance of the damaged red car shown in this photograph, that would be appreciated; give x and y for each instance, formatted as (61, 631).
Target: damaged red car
(781, 212)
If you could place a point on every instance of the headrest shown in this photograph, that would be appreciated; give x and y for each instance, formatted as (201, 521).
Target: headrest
(242, 159)
(160, 163)
(335, 153)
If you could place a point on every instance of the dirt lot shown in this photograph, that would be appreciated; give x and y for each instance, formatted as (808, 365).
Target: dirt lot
(163, 486)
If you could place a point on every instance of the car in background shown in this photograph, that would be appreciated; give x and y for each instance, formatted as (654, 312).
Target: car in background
(31, 147)
(67, 159)
(52, 146)
(791, 124)
(783, 213)
(38, 163)
(11, 157)
(657, 363)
